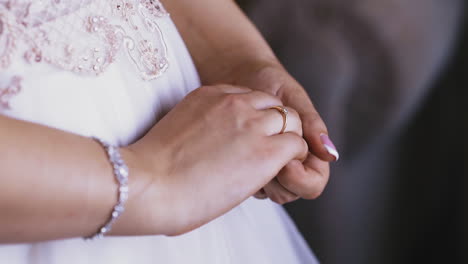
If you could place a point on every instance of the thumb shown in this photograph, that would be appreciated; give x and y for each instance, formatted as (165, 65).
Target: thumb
(314, 129)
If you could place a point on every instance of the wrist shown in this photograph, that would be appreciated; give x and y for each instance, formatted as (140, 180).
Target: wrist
(145, 209)
(236, 69)
(263, 75)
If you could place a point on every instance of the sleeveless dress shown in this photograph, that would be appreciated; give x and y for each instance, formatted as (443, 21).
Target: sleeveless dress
(111, 69)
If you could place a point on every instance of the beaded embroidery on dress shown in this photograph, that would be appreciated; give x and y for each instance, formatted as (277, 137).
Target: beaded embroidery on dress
(48, 30)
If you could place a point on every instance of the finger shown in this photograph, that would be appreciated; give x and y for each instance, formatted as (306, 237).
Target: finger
(261, 100)
(307, 179)
(283, 148)
(317, 137)
(224, 88)
(261, 194)
(315, 130)
(272, 121)
(278, 194)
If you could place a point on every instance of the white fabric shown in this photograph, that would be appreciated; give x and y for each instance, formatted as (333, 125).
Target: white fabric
(118, 106)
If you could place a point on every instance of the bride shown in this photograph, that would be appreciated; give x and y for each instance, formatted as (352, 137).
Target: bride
(123, 142)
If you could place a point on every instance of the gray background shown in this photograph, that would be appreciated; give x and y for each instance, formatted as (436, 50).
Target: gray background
(389, 78)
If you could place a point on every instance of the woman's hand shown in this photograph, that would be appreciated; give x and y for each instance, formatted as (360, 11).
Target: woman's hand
(297, 180)
(227, 48)
(215, 149)
(211, 152)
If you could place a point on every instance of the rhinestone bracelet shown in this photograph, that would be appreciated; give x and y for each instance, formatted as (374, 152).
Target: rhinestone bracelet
(121, 175)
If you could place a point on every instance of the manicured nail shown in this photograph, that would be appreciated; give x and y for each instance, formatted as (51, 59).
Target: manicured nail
(330, 146)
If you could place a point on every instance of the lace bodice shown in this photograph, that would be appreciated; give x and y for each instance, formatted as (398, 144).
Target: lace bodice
(81, 36)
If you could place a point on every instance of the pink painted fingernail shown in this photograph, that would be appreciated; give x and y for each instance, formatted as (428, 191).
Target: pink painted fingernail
(330, 146)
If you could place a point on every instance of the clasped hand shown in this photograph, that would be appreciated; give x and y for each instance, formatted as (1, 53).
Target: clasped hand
(216, 148)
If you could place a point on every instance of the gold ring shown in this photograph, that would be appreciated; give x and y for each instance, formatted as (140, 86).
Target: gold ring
(284, 112)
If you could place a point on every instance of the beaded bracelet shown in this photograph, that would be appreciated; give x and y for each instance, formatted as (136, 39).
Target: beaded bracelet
(121, 175)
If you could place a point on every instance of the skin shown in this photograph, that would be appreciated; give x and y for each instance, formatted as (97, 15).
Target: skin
(185, 171)
(227, 48)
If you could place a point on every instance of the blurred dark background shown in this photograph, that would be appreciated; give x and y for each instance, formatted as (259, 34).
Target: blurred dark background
(390, 79)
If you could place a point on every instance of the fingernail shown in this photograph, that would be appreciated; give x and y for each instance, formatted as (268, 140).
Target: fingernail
(330, 146)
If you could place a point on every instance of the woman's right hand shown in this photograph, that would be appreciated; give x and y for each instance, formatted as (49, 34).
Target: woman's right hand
(216, 148)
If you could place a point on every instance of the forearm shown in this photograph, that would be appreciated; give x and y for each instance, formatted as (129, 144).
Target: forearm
(220, 38)
(53, 184)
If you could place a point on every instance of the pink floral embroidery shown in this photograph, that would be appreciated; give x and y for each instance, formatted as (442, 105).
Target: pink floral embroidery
(84, 36)
(13, 88)
(8, 38)
(150, 57)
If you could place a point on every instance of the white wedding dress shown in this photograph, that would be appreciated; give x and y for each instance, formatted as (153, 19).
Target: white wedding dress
(111, 69)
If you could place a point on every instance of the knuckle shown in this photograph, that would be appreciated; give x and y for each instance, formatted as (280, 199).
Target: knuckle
(287, 181)
(308, 186)
(233, 101)
(300, 144)
(250, 124)
(290, 178)
(280, 195)
(281, 198)
(315, 191)
(302, 184)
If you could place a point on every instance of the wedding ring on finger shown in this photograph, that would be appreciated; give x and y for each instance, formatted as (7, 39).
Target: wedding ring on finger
(284, 113)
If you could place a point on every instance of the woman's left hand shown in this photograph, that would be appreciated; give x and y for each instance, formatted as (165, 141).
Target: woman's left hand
(306, 179)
